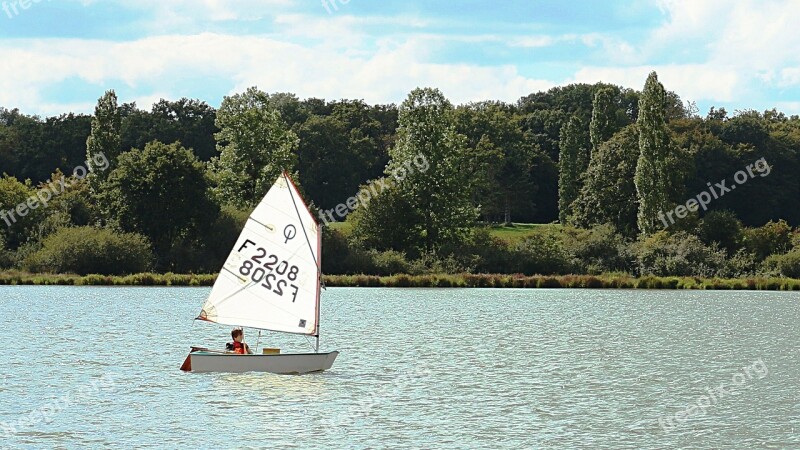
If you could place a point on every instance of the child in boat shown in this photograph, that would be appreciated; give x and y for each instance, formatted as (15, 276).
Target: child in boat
(237, 346)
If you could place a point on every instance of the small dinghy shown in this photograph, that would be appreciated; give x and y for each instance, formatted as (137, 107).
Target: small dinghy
(270, 281)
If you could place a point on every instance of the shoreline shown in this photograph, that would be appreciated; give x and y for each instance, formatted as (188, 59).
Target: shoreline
(465, 280)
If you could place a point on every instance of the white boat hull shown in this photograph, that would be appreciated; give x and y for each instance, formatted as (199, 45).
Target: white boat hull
(287, 363)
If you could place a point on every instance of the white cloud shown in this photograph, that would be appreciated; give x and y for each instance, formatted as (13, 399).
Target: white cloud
(385, 75)
(789, 76)
(710, 51)
(750, 37)
(789, 107)
(690, 81)
(735, 50)
(533, 41)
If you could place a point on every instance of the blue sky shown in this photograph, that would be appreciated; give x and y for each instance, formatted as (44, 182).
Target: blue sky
(61, 55)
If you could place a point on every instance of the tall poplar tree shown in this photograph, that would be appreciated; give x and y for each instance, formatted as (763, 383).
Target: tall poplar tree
(652, 169)
(104, 138)
(572, 162)
(604, 114)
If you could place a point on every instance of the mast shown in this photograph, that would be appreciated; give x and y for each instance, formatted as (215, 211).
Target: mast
(318, 259)
(319, 272)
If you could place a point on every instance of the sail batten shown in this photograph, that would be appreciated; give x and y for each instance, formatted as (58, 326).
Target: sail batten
(270, 280)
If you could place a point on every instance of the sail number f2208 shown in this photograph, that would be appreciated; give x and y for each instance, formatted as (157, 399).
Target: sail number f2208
(267, 268)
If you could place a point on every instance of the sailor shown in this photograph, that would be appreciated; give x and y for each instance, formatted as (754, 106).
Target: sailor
(238, 346)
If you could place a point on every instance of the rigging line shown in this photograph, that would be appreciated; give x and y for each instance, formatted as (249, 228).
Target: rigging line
(290, 313)
(272, 305)
(224, 299)
(251, 284)
(290, 185)
(302, 225)
(254, 220)
(309, 342)
(234, 274)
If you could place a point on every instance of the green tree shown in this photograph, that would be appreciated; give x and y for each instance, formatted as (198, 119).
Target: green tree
(105, 137)
(190, 122)
(66, 137)
(604, 117)
(439, 189)
(160, 192)
(723, 228)
(608, 194)
(85, 250)
(255, 145)
(499, 159)
(770, 239)
(21, 150)
(387, 222)
(572, 162)
(17, 228)
(427, 166)
(292, 110)
(350, 134)
(652, 177)
(323, 144)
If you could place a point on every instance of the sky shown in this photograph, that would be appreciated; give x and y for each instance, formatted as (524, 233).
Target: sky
(59, 56)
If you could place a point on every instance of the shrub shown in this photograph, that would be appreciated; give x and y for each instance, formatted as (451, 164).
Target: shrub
(431, 263)
(346, 256)
(335, 251)
(484, 253)
(679, 254)
(774, 238)
(540, 254)
(723, 228)
(88, 250)
(596, 251)
(6, 255)
(787, 265)
(741, 264)
(389, 262)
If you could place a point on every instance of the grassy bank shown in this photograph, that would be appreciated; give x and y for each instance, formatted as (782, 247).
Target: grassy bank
(139, 279)
(607, 281)
(519, 231)
(564, 281)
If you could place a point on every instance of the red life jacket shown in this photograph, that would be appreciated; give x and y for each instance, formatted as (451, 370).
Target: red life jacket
(238, 347)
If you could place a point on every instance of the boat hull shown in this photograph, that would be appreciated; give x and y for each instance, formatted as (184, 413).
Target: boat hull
(286, 363)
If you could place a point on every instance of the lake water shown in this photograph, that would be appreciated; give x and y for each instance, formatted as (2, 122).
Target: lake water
(419, 368)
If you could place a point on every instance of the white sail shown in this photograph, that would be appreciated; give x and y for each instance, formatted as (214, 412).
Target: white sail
(271, 279)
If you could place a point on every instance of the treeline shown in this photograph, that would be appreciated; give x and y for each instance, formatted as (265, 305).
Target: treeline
(169, 189)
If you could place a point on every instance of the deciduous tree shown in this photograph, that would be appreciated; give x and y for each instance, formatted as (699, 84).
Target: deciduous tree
(652, 177)
(255, 145)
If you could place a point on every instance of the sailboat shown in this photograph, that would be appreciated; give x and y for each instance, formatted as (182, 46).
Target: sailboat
(270, 281)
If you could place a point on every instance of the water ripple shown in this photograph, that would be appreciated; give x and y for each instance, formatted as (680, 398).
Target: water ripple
(419, 368)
